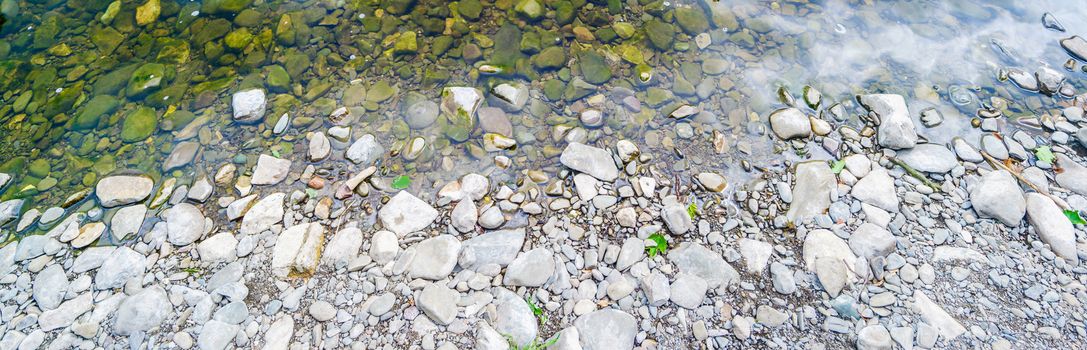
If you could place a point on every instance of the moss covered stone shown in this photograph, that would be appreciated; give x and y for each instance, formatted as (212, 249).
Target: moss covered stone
(692, 20)
(139, 125)
(593, 67)
(146, 78)
(660, 34)
(98, 107)
(277, 78)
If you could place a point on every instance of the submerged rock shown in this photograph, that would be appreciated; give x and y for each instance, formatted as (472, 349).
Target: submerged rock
(249, 106)
(1076, 46)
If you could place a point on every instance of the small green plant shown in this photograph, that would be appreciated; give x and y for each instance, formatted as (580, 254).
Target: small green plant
(692, 210)
(193, 271)
(837, 166)
(536, 310)
(1074, 217)
(275, 153)
(401, 182)
(1044, 154)
(534, 345)
(660, 246)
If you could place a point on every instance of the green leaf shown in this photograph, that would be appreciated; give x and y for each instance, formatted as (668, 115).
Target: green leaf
(401, 182)
(275, 153)
(660, 245)
(1074, 217)
(312, 193)
(692, 210)
(837, 166)
(1044, 154)
(551, 341)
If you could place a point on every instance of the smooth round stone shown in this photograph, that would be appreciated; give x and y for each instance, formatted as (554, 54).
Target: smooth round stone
(592, 118)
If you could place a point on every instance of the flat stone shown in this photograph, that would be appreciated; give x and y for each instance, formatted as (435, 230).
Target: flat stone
(935, 316)
(874, 337)
(322, 311)
(383, 247)
(50, 286)
(695, 259)
(217, 335)
(298, 250)
(998, 196)
(590, 160)
(365, 150)
(404, 214)
(123, 264)
(435, 257)
(811, 194)
(830, 258)
(531, 269)
(343, 248)
(515, 319)
(607, 329)
(756, 254)
(677, 219)
(219, 247)
(143, 311)
(261, 216)
(464, 216)
(1052, 226)
(184, 224)
(128, 220)
(492, 248)
(249, 105)
(876, 189)
(439, 303)
(66, 313)
(181, 156)
(319, 147)
(270, 170)
(870, 241)
(1074, 176)
(896, 130)
(928, 157)
(279, 334)
(790, 123)
(688, 290)
(124, 189)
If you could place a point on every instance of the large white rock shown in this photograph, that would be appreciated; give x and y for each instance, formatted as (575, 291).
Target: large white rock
(435, 257)
(184, 224)
(120, 266)
(935, 316)
(439, 303)
(365, 150)
(343, 247)
(695, 259)
(790, 123)
(515, 318)
(531, 269)
(492, 248)
(218, 248)
(270, 170)
(607, 329)
(143, 311)
(1052, 226)
(896, 128)
(405, 213)
(1074, 176)
(123, 189)
(249, 105)
(998, 196)
(68, 311)
(870, 241)
(278, 336)
(464, 216)
(831, 260)
(262, 215)
(128, 220)
(49, 287)
(876, 189)
(811, 194)
(384, 246)
(590, 160)
(319, 147)
(298, 250)
(460, 104)
(930, 158)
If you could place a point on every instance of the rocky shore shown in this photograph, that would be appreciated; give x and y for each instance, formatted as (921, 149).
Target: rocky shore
(895, 244)
(311, 191)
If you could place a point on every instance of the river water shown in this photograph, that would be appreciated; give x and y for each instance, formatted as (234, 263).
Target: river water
(92, 88)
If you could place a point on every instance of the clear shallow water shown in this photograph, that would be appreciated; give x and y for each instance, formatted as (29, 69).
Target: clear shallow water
(60, 59)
